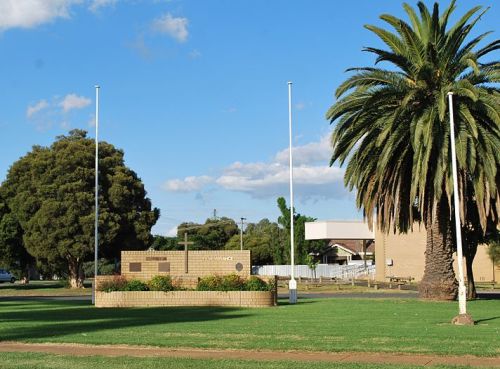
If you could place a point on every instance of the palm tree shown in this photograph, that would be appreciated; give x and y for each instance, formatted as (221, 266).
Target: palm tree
(392, 127)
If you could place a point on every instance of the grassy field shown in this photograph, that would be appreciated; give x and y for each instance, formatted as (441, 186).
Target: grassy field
(44, 361)
(389, 325)
(342, 289)
(58, 288)
(43, 288)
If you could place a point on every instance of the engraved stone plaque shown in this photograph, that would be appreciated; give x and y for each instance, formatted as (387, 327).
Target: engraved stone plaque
(164, 267)
(135, 267)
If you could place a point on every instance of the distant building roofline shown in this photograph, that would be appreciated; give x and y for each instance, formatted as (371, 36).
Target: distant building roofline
(338, 229)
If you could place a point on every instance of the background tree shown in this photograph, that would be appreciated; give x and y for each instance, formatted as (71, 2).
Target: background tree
(13, 255)
(302, 246)
(163, 243)
(261, 239)
(392, 127)
(51, 193)
(494, 248)
(212, 235)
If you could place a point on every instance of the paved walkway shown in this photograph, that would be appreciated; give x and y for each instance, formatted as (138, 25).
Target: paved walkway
(347, 357)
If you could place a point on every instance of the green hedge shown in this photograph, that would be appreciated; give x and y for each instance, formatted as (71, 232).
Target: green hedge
(233, 282)
(161, 283)
(230, 282)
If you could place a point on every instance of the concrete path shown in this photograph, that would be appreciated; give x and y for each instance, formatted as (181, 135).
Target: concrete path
(306, 356)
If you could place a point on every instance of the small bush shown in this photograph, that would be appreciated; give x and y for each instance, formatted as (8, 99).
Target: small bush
(136, 285)
(117, 283)
(161, 283)
(256, 284)
(210, 283)
(232, 282)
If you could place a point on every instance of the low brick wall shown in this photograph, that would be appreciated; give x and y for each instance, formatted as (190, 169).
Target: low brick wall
(185, 298)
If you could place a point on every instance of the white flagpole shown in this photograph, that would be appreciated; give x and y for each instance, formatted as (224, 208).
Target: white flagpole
(463, 317)
(292, 286)
(96, 224)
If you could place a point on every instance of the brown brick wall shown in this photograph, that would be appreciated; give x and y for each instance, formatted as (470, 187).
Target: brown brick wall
(407, 252)
(200, 263)
(185, 298)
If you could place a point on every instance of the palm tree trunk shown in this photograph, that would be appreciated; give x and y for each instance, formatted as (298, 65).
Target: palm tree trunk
(470, 253)
(439, 281)
(471, 285)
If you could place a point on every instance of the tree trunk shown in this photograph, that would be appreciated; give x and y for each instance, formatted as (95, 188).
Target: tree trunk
(439, 281)
(470, 237)
(25, 277)
(75, 273)
(471, 286)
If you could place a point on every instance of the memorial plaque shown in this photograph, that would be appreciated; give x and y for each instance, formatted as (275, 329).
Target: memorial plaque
(135, 267)
(239, 267)
(164, 267)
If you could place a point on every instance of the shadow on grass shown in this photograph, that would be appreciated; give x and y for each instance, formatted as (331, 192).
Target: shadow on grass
(62, 318)
(283, 302)
(37, 285)
(488, 295)
(487, 319)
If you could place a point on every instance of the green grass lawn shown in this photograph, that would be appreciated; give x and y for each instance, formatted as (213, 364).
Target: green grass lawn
(391, 325)
(43, 288)
(44, 361)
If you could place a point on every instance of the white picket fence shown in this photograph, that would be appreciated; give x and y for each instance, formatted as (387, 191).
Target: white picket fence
(322, 270)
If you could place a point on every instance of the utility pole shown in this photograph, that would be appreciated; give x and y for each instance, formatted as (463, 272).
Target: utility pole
(292, 285)
(241, 233)
(96, 221)
(462, 318)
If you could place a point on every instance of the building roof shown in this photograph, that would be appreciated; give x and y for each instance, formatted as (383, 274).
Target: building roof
(344, 230)
(353, 246)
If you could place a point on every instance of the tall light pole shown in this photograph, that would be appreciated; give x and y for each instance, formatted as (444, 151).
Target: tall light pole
(462, 318)
(241, 233)
(96, 222)
(292, 285)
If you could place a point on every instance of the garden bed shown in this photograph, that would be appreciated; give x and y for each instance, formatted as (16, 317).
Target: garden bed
(185, 298)
(229, 290)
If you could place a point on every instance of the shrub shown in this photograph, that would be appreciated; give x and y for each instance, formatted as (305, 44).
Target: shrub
(117, 283)
(136, 285)
(256, 284)
(209, 283)
(232, 282)
(161, 283)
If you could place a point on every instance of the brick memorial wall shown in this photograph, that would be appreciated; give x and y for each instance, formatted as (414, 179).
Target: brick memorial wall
(144, 265)
(185, 267)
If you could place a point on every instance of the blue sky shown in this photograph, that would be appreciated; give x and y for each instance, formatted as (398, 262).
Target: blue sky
(194, 92)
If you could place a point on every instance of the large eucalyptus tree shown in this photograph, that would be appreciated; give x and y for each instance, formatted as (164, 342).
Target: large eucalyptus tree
(392, 127)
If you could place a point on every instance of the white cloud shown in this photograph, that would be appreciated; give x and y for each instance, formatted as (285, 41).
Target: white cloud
(313, 178)
(300, 106)
(187, 184)
(96, 5)
(175, 27)
(49, 113)
(73, 101)
(314, 152)
(91, 121)
(33, 109)
(195, 54)
(263, 180)
(32, 13)
(172, 232)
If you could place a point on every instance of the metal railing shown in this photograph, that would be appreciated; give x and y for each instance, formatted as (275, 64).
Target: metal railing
(322, 270)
